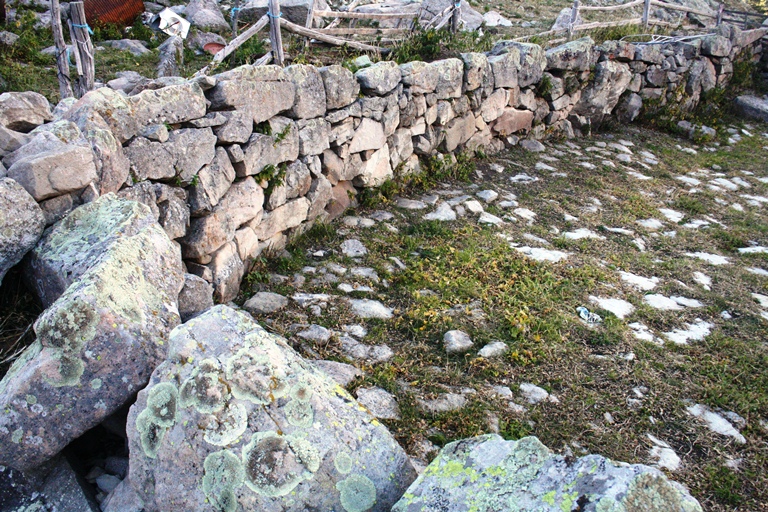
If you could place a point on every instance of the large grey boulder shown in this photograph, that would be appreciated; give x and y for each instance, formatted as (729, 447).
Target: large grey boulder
(310, 91)
(213, 181)
(11, 140)
(292, 10)
(56, 172)
(109, 277)
(420, 77)
(115, 110)
(450, 73)
(23, 111)
(206, 15)
(262, 150)
(752, 107)
(167, 204)
(532, 61)
(487, 473)
(184, 154)
(21, 224)
(241, 422)
(171, 104)
(263, 98)
(603, 93)
(380, 79)
(572, 56)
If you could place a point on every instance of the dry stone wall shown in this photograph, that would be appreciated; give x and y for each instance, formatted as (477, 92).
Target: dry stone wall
(234, 164)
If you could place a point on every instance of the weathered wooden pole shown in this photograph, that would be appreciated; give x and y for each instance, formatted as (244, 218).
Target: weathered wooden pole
(235, 15)
(646, 13)
(81, 37)
(720, 14)
(274, 32)
(456, 17)
(62, 62)
(574, 17)
(310, 19)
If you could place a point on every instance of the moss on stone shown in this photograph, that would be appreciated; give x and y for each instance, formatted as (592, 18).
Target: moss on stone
(151, 434)
(358, 493)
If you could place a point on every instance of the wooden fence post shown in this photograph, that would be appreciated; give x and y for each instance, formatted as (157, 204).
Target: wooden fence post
(574, 17)
(81, 38)
(274, 32)
(235, 14)
(646, 13)
(62, 61)
(720, 14)
(310, 19)
(456, 17)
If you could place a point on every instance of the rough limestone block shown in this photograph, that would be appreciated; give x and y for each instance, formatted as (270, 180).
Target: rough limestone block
(242, 422)
(23, 111)
(109, 277)
(21, 224)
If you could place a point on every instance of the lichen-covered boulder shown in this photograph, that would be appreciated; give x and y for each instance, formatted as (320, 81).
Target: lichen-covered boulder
(487, 473)
(21, 224)
(602, 95)
(234, 419)
(110, 278)
(573, 55)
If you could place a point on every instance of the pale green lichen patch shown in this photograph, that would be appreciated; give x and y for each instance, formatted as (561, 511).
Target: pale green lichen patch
(17, 435)
(299, 413)
(150, 433)
(343, 462)
(67, 370)
(31, 399)
(224, 474)
(301, 391)
(205, 389)
(275, 464)
(653, 492)
(162, 403)
(227, 426)
(253, 378)
(96, 383)
(358, 493)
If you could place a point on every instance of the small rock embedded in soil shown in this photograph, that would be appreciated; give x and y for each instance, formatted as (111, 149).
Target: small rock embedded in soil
(379, 402)
(353, 248)
(265, 303)
(494, 349)
(457, 342)
(367, 308)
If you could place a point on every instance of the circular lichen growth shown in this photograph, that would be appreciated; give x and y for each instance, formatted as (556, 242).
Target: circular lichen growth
(66, 372)
(343, 463)
(301, 391)
(151, 434)
(275, 465)
(224, 474)
(162, 402)
(17, 435)
(206, 389)
(31, 399)
(67, 328)
(253, 378)
(96, 383)
(358, 493)
(226, 426)
(299, 413)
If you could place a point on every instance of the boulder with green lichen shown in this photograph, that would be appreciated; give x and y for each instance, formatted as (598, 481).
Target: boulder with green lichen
(110, 278)
(487, 473)
(235, 419)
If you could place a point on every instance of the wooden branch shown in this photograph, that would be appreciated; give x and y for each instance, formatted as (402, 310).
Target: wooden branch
(646, 12)
(438, 17)
(83, 46)
(456, 16)
(363, 15)
(362, 31)
(573, 18)
(274, 32)
(314, 34)
(683, 9)
(620, 23)
(263, 60)
(612, 7)
(239, 41)
(350, 8)
(446, 18)
(62, 62)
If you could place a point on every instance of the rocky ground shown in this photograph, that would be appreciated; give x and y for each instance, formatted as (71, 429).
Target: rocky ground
(608, 295)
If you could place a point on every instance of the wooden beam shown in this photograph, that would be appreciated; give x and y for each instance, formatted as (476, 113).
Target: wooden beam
(314, 34)
(612, 7)
(274, 32)
(62, 62)
(239, 41)
(83, 47)
(362, 31)
(364, 15)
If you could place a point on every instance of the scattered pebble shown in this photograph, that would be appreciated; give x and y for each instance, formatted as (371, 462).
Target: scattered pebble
(353, 248)
(457, 342)
(534, 394)
(696, 331)
(715, 422)
(379, 402)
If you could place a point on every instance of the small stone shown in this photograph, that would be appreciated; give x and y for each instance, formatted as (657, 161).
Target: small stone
(107, 483)
(410, 204)
(265, 303)
(367, 308)
(488, 196)
(487, 218)
(353, 248)
(379, 402)
(493, 349)
(457, 342)
(357, 330)
(442, 213)
(316, 333)
(444, 403)
(534, 394)
(533, 146)
(342, 373)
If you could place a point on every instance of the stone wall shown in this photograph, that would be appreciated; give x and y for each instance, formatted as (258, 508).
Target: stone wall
(236, 163)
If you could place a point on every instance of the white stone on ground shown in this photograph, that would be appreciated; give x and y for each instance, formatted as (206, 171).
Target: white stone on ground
(541, 166)
(356, 330)
(444, 403)
(308, 299)
(624, 158)
(349, 288)
(761, 299)
(688, 180)
(652, 224)
(507, 394)
(381, 215)
(639, 176)
(342, 373)
(663, 454)
(457, 341)
(525, 213)
(365, 273)
(587, 165)
(488, 196)
(672, 215)
(757, 271)
(642, 332)
(523, 178)
(582, 233)
(618, 307)
(686, 302)
(715, 422)
(316, 333)
(442, 213)
(367, 308)
(264, 303)
(493, 349)
(534, 394)
(487, 218)
(540, 254)
(474, 206)
(658, 301)
(532, 145)
(696, 331)
(379, 402)
(569, 218)
(353, 248)
(621, 231)
(753, 250)
(641, 283)
(703, 279)
(712, 259)
(410, 204)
